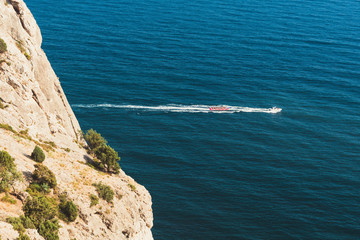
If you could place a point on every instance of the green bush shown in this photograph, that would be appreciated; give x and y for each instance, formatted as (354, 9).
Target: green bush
(20, 223)
(6, 161)
(94, 200)
(38, 155)
(35, 189)
(17, 224)
(109, 158)
(27, 223)
(43, 175)
(3, 46)
(39, 209)
(8, 173)
(24, 237)
(68, 210)
(49, 229)
(94, 139)
(104, 191)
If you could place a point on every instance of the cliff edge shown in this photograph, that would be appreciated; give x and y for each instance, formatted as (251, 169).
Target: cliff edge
(34, 105)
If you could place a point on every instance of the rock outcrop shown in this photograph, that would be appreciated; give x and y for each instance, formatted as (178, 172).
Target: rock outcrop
(32, 102)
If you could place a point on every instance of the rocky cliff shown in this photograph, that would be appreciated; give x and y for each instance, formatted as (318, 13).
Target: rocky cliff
(33, 103)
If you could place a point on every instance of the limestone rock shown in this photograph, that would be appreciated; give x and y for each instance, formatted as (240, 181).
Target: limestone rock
(7, 232)
(35, 104)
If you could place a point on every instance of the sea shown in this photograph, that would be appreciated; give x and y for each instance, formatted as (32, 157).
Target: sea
(144, 74)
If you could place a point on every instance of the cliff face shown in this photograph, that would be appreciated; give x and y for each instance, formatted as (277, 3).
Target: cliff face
(33, 101)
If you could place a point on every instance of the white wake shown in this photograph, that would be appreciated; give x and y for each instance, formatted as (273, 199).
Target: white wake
(179, 108)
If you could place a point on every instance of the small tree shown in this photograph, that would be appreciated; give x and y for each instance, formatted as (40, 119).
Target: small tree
(3, 47)
(109, 158)
(43, 175)
(94, 139)
(8, 173)
(38, 155)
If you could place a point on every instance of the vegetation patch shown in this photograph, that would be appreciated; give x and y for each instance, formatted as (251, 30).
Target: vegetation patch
(38, 155)
(21, 223)
(17, 224)
(94, 139)
(49, 229)
(7, 127)
(106, 157)
(8, 199)
(132, 187)
(47, 146)
(22, 49)
(66, 149)
(50, 143)
(24, 237)
(3, 46)
(40, 212)
(40, 209)
(35, 189)
(8, 173)
(22, 134)
(43, 175)
(67, 210)
(94, 200)
(104, 191)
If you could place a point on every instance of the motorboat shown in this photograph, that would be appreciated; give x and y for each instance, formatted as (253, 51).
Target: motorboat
(219, 108)
(275, 110)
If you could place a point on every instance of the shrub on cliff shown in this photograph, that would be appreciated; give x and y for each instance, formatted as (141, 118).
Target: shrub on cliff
(20, 223)
(43, 175)
(27, 223)
(16, 223)
(94, 200)
(24, 237)
(109, 158)
(94, 139)
(49, 229)
(38, 155)
(8, 173)
(3, 46)
(39, 209)
(68, 210)
(36, 189)
(104, 191)
(6, 161)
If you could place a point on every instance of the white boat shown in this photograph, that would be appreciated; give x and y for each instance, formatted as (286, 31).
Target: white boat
(274, 110)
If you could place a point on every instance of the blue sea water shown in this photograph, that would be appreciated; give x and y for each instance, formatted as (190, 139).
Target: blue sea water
(133, 70)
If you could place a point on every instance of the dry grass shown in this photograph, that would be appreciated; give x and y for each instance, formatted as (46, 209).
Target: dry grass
(20, 46)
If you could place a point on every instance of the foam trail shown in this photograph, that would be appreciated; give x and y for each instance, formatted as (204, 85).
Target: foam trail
(178, 108)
